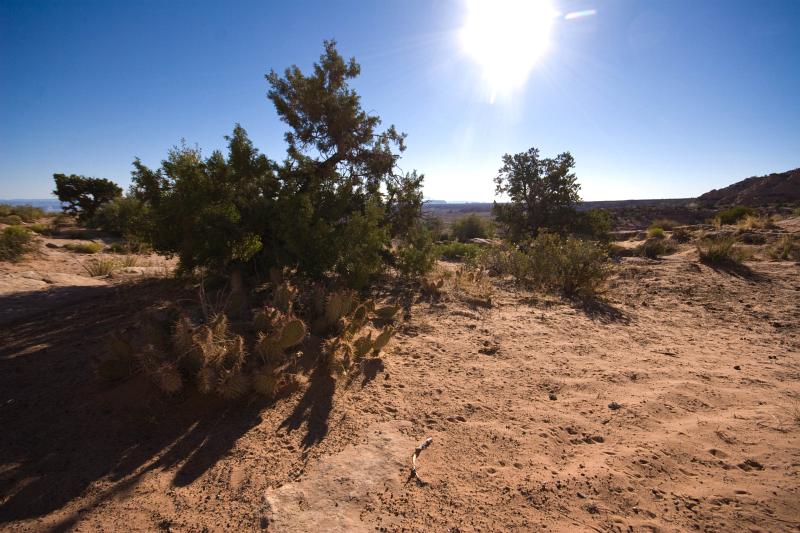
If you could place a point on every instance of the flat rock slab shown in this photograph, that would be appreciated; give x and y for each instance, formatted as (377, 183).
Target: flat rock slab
(332, 496)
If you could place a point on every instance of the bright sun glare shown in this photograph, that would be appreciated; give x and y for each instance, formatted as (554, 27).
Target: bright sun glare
(507, 38)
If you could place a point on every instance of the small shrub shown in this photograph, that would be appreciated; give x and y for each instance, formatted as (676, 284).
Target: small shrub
(27, 213)
(472, 226)
(680, 234)
(100, 267)
(787, 248)
(756, 222)
(720, 251)
(39, 228)
(796, 211)
(129, 261)
(734, 214)
(5, 210)
(550, 262)
(656, 232)
(11, 220)
(84, 247)
(665, 223)
(457, 251)
(655, 248)
(416, 255)
(14, 242)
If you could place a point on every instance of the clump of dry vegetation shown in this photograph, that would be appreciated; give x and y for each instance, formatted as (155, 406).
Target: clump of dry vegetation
(15, 241)
(100, 267)
(787, 248)
(84, 247)
(654, 248)
(720, 251)
(656, 232)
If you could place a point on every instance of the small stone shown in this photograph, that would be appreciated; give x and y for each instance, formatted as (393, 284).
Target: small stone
(614, 406)
(552, 396)
(737, 367)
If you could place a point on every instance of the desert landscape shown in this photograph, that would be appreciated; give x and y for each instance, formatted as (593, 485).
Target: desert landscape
(470, 266)
(672, 403)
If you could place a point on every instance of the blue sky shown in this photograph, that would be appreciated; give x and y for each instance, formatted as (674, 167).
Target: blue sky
(654, 99)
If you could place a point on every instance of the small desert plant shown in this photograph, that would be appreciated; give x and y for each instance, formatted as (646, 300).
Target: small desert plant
(472, 226)
(129, 261)
(457, 251)
(681, 234)
(39, 228)
(100, 267)
(656, 232)
(665, 223)
(11, 220)
(84, 247)
(787, 248)
(734, 214)
(416, 255)
(756, 222)
(14, 242)
(654, 248)
(719, 251)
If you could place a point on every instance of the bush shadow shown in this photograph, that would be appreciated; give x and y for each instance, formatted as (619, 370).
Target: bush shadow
(63, 430)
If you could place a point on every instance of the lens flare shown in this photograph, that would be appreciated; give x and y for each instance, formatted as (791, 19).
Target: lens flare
(507, 38)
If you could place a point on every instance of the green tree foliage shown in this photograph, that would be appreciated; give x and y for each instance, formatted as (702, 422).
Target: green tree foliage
(593, 224)
(333, 206)
(83, 195)
(542, 193)
(416, 254)
(471, 226)
(209, 212)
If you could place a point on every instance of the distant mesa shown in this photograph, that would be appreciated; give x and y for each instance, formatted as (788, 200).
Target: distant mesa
(779, 188)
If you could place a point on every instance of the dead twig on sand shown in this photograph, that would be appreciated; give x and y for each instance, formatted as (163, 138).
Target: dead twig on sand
(417, 451)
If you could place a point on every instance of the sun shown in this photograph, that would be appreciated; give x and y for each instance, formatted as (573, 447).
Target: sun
(507, 38)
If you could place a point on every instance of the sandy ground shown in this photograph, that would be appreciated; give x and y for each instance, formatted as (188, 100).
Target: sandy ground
(674, 405)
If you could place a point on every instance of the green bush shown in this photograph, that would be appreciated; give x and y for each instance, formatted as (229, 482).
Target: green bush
(11, 220)
(719, 251)
(14, 242)
(39, 228)
(655, 232)
(5, 210)
(417, 254)
(654, 248)
(334, 206)
(593, 224)
(84, 247)
(471, 226)
(570, 265)
(457, 251)
(734, 214)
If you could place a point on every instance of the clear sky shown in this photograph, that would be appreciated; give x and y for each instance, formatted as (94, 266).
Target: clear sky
(655, 99)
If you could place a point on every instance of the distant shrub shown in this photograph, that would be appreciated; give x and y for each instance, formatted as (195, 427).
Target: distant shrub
(5, 210)
(796, 211)
(665, 223)
(471, 226)
(27, 213)
(594, 224)
(655, 247)
(11, 220)
(719, 251)
(787, 248)
(655, 232)
(100, 267)
(14, 242)
(84, 247)
(734, 214)
(39, 228)
(756, 222)
(457, 251)
(126, 217)
(681, 235)
(550, 262)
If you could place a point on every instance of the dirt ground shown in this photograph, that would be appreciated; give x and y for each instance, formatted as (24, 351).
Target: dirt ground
(672, 405)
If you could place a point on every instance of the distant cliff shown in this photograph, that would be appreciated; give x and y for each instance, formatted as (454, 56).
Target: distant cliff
(782, 188)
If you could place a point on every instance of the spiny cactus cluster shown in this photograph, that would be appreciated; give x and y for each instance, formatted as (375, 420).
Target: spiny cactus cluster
(432, 288)
(175, 352)
(349, 345)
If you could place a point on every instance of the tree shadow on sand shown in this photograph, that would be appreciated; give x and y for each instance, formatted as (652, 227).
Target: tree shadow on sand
(63, 430)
